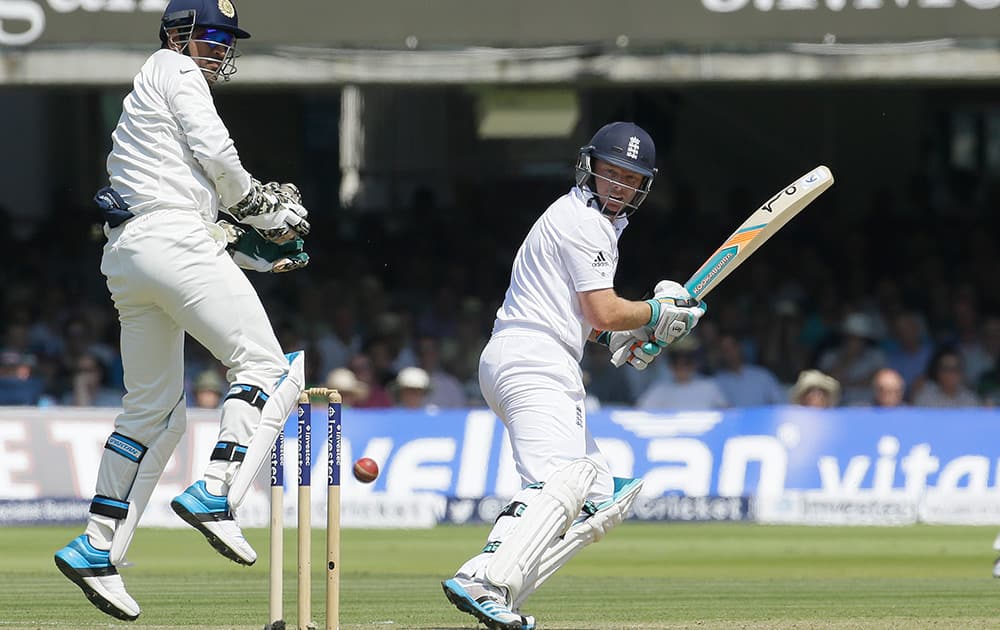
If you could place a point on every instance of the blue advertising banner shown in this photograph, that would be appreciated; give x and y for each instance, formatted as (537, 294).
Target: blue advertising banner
(776, 464)
(748, 452)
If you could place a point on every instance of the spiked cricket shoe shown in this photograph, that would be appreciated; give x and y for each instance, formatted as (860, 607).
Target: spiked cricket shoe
(91, 569)
(210, 514)
(487, 603)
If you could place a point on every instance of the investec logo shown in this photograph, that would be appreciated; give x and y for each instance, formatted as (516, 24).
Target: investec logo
(714, 271)
(728, 6)
(23, 21)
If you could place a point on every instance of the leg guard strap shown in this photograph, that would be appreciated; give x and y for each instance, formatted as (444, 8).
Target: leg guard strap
(107, 506)
(229, 452)
(249, 394)
(126, 447)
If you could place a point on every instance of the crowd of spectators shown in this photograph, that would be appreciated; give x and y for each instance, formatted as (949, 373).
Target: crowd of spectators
(396, 313)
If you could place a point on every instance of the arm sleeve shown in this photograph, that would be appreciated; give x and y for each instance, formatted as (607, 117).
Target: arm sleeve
(591, 256)
(207, 136)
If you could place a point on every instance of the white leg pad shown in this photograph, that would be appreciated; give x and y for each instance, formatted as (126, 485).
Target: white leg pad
(272, 420)
(584, 531)
(548, 515)
(146, 477)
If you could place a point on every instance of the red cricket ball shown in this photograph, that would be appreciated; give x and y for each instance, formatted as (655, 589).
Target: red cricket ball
(365, 470)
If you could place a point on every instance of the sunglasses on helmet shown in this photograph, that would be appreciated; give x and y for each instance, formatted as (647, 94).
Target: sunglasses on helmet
(217, 36)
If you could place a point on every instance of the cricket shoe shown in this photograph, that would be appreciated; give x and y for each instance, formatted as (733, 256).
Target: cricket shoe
(90, 568)
(486, 603)
(210, 514)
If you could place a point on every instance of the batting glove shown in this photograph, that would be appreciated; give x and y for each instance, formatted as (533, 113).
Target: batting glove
(633, 347)
(674, 312)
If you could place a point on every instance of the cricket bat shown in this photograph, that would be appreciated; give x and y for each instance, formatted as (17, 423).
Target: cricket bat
(765, 221)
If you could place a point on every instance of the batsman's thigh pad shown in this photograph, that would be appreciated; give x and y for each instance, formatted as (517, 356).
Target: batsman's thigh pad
(587, 529)
(548, 515)
(147, 475)
(272, 419)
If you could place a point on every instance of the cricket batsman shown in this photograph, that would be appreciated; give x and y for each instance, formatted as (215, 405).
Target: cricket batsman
(172, 268)
(561, 295)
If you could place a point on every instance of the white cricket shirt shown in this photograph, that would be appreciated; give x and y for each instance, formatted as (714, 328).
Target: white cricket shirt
(170, 148)
(571, 248)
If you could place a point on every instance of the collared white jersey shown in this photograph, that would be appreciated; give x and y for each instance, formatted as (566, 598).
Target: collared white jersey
(170, 148)
(571, 248)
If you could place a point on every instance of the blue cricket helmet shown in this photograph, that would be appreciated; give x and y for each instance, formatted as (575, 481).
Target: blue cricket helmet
(220, 14)
(623, 144)
(626, 145)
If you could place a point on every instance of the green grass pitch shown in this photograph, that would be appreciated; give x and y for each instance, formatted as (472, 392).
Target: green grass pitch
(643, 576)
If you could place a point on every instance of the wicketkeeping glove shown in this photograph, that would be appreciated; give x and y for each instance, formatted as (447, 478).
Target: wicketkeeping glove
(632, 346)
(250, 250)
(674, 312)
(275, 210)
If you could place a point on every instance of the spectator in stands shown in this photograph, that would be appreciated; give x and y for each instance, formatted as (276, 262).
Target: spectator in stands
(336, 347)
(854, 361)
(89, 385)
(888, 389)
(18, 386)
(909, 349)
(988, 386)
(460, 354)
(208, 390)
(744, 385)
(377, 396)
(815, 389)
(945, 386)
(412, 386)
(967, 338)
(685, 389)
(782, 347)
(347, 384)
(445, 390)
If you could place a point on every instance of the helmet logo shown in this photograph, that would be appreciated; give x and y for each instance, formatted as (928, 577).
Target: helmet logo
(633, 148)
(227, 9)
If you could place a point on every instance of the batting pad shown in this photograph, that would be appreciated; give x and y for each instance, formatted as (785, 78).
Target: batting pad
(272, 421)
(584, 531)
(548, 515)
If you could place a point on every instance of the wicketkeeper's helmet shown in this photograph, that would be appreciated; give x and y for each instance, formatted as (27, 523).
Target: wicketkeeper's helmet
(623, 144)
(218, 17)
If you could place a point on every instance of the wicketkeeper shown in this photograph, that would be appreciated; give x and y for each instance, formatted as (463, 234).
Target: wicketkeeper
(561, 294)
(172, 269)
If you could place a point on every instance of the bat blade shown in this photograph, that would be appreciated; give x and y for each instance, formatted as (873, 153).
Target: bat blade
(770, 217)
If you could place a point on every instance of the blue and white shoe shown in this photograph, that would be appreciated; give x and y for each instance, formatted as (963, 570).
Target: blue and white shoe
(91, 569)
(486, 603)
(210, 514)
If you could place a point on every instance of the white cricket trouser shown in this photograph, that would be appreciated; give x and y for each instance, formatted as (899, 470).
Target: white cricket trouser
(167, 275)
(535, 387)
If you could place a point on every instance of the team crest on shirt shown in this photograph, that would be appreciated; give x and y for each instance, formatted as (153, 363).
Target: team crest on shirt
(227, 8)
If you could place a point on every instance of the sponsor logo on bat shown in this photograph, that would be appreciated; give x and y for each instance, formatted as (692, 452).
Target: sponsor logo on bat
(719, 265)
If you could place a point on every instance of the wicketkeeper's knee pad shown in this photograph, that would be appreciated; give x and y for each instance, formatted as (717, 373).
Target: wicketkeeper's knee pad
(547, 515)
(589, 528)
